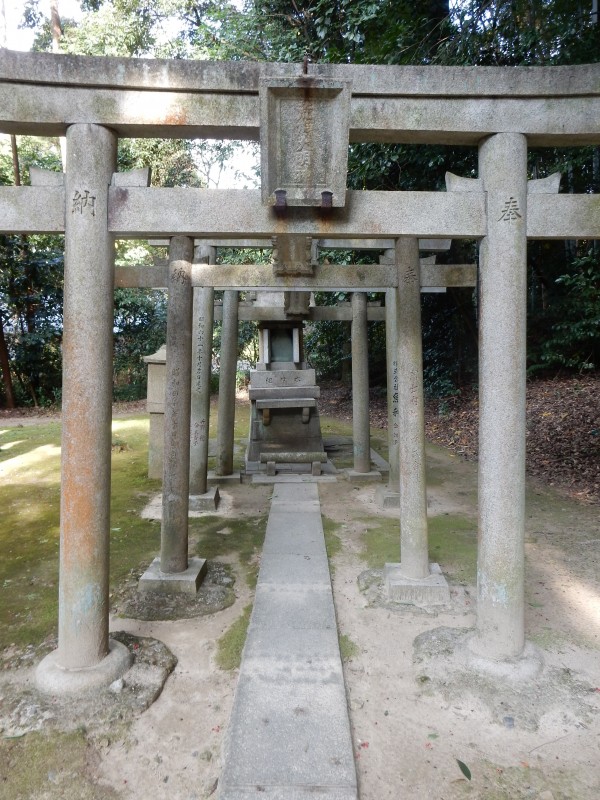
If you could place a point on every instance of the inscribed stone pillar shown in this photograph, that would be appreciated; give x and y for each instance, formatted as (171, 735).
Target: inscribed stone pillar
(203, 318)
(227, 376)
(87, 399)
(83, 642)
(413, 500)
(360, 384)
(391, 352)
(176, 459)
(502, 348)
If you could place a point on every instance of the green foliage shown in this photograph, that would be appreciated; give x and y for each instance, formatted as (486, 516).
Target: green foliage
(140, 329)
(573, 339)
(563, 288)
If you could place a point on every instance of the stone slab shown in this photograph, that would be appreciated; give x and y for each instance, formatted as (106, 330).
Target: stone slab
(222, 480)
(295, 569)
(429, 591)
(363, 477)
(266, 479)
(287, 793)
(289, 734)
(288, 402)
(292, 646)
(307, 496)
(139, 212)
(269, 379)
(386, 497)
(284, 393)
(293, 457)
(209, 501)
(187, 582)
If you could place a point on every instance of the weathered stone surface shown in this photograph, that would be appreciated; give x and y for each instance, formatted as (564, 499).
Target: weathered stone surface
(294, 457)
(218, 212)
(202, 331)
(502, 365)
(332, 277)
(227, 372)
(289, 735)
(262, 277)
(176, 452)
(187, 581)
(304, 139)
(288, 402)
(428, 591)
(30, 209)
(87, 403)
(409, 348)
(284, 393)
(360, 385)
(181, 75)
(452, 105)
(268, 379)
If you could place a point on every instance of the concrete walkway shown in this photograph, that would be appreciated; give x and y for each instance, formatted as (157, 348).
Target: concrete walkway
(289, 733)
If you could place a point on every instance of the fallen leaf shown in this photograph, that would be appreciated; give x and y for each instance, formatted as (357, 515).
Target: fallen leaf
(464, 769)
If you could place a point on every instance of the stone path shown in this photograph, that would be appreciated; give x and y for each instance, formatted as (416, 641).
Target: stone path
(289, 733)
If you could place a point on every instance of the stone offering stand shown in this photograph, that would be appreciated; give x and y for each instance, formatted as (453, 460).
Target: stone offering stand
(304, 121)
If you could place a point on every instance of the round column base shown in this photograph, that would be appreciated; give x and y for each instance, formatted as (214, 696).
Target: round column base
(524, 667)
(52, 678)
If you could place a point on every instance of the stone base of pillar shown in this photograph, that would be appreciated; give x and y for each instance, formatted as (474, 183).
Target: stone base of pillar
(445, 655)
(430, 591)
(209, 501)
(364, 477)
(521, 668)
(52, 678)
(187, 582)
(221, 480)
(386, 497)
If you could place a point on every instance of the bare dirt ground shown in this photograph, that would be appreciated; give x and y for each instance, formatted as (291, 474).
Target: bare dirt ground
(416, 734)
(540, 740)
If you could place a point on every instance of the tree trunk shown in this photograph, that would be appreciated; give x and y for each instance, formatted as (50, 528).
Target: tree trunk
(5, 364)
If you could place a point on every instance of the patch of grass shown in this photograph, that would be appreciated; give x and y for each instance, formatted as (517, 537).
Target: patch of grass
(44, 765)
(452, 544)
(231, 644)
(348, 648)
(381, 542)
(29, 525)
(333, 543)
(218, 536)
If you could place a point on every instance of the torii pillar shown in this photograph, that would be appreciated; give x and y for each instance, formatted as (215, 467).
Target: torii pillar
(201, 497)
(502, 351)
(174, 571)
(414, 580)
(86, 658)
(227, 378)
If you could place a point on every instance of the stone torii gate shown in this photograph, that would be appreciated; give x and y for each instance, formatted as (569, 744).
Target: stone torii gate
(93, 101)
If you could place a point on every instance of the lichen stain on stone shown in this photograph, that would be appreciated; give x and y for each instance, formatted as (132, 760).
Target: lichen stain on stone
(176, 117)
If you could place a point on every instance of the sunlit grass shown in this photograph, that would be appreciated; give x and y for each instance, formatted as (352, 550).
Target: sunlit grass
(29, 524)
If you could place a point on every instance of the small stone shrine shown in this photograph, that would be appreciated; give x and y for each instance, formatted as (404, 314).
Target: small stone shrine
(285, 432)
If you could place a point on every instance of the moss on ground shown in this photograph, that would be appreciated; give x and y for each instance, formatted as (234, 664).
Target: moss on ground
(29, 526)
(452, 544)
(219, 536)
(333, 543)
(348, 648)
(55, 765)
(231, 644)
